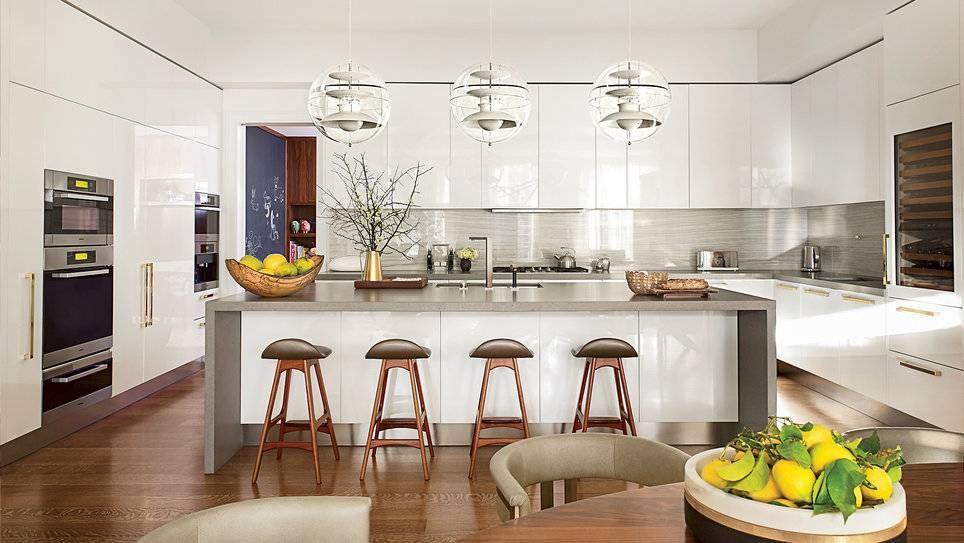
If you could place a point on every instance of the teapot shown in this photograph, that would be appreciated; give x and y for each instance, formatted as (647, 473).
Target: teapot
(566, 258)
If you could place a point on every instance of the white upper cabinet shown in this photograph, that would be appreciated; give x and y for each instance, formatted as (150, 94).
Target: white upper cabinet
(720, 149)
(567, 166)
(510, 169)
(464, 176)
(835, 132)
(611, 165)
(659, 166)
(770, 145)
(418, 132)
(922, 49)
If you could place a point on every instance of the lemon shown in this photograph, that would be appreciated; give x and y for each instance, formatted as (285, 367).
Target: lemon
(272, 261)
(286, 270)
(879, 478)
(794, 481)
(267, 271)
(860, 498)
(251, 262)
(708, 473)
(303, 264)
(825, 453)
(768, 493)
(817, 435)
(784, 502)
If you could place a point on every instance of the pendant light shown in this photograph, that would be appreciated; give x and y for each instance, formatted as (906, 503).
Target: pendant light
(490, 100)
(630, 100)
(348, 103)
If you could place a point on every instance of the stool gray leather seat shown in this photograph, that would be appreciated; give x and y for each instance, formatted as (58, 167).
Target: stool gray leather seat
(501, 348)
(397, 349)
(294, 349)
(608, 347)
(313, 519)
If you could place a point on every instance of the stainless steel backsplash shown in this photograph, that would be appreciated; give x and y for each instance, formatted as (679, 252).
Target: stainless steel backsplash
(849, 237)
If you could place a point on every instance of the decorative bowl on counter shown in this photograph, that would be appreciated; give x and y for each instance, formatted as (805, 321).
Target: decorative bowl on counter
(641, 282)
(272, 286)
(713, 515)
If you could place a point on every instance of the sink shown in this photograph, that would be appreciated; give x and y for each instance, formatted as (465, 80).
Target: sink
(482, 285)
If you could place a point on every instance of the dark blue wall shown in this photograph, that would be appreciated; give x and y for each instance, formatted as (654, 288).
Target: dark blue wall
(264, 181)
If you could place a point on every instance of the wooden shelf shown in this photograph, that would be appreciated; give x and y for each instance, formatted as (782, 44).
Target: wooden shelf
(926, 185)
(921, 171)
(302, 204)
(927, 272)
(309, 235)
(918, 142)
(920, 156)
(918, 215)
(925, 200)
(927, 257)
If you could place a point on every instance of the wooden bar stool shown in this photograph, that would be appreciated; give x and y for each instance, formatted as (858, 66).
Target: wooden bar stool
(296, 355)
(604, 353)
(398, 354)
(499, 353)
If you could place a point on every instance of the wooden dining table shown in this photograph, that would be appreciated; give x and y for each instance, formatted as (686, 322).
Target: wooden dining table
(935, 513)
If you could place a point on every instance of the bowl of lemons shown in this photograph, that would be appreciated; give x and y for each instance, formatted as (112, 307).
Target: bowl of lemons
(275, 276)
(796, 482)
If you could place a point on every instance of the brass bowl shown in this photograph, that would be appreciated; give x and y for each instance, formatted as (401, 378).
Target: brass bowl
(270, 286)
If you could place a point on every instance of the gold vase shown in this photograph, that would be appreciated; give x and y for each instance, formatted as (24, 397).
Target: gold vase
(373, 266)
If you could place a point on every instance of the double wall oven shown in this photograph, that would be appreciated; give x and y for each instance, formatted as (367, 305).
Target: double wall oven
(78, 290)
(206, 219)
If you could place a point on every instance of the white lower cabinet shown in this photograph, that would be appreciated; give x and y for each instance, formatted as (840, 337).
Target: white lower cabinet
(926, 390)
(864, 344)
(820, 333)
(462, 376)
(787, 296)
(688, 366)
(561, 372)
(928, 331)
(762, 288)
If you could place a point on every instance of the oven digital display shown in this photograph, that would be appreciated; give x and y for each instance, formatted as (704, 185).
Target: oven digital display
(81, 257)
(86, 185)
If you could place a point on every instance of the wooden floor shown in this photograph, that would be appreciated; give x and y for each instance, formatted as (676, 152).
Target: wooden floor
(142, 467)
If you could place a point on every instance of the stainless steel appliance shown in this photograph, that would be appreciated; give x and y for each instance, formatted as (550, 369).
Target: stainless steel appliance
(810, 260)
(78, 209)
(206, 261)
(567, 258)
(76, 383)
(601, 264)
(717, 261)
(538, 269)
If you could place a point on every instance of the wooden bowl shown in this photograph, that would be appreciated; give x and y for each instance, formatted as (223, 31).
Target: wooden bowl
(270, 286)
(714, 515)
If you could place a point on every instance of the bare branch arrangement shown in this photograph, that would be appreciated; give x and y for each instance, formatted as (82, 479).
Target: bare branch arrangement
(374, 213)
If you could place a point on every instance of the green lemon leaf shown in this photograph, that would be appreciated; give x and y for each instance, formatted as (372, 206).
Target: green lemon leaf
(757, 479)
(795, 450)
(824, 508)
(790, 432)
(807, 427)
(819, 495)
(843, 476)
(870, 444)
(895, 474)
(737, 470)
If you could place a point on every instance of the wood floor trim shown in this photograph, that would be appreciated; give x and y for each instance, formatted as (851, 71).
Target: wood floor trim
(83, 417)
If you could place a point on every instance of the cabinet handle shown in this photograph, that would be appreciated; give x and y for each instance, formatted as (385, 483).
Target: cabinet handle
(150, 315)
(915, 367)
(96, 369)
(786, 287)
(857, 300)
(817, 292)
(208, 296)
(884, 239)
(915, 311)
(30, 276)
(200, 324)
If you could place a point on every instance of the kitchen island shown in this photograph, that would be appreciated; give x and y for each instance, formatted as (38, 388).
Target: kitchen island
(702, 362)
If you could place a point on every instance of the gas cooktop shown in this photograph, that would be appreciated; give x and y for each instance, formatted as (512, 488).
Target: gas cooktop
(538, 269)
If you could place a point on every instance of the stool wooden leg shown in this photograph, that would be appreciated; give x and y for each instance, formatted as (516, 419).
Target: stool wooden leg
(329, 424)
(620, 403)
(629, 403)
(312, 422)
(267, 423)
(284, 411)
(547, 496)
(478, 418)
(418, 417)
(421, 401)
(379, 394)
(579, 399)
(585, 414)
(522, 402)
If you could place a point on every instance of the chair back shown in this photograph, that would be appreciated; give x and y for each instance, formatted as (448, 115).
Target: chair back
(317, 519)
(919, 445)
(575, 456)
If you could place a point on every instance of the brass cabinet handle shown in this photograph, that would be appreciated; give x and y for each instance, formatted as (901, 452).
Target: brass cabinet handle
(915, 367)
(857, 300)
(786, 287)
(31, 327)
(885, 238)
(924, 312)
(150, 315)
(817, 292)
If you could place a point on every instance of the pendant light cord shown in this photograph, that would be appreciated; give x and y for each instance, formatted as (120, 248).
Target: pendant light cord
(349, 33)
(629, 29)
(490, 32)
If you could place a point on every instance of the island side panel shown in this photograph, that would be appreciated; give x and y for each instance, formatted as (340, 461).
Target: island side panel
(756, 346)
(222, 388)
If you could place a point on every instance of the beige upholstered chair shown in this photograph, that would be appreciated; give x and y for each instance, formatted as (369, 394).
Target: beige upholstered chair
(319, 519)
(572, 456)
(919, 445)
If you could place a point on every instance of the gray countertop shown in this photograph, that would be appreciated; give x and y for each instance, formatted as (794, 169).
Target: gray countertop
(571, 296)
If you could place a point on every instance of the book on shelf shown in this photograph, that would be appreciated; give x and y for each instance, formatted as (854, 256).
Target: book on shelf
(296, 251)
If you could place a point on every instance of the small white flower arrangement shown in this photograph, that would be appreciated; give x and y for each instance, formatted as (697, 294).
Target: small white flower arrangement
(467, 253)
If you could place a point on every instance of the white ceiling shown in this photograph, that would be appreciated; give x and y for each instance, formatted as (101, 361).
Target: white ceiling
(533, 16)
(294, 130)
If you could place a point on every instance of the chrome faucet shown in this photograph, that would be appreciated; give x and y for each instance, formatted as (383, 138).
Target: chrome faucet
(488, 260)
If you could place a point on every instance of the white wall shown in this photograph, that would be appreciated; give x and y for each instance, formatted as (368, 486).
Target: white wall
(813, 33)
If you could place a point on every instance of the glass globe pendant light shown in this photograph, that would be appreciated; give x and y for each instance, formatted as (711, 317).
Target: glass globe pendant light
(630, 100)
(348, 103)
(490, 100)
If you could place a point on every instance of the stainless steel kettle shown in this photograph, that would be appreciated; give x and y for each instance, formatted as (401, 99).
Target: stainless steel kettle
(566, 259)
(601, 264)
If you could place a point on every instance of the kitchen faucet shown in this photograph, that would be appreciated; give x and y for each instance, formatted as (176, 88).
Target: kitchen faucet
(488, 260)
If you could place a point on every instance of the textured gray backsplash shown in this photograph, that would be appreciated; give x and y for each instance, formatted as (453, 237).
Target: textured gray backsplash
(767, 239)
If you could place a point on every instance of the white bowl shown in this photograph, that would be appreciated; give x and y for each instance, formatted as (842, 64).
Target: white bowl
(882, 517)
